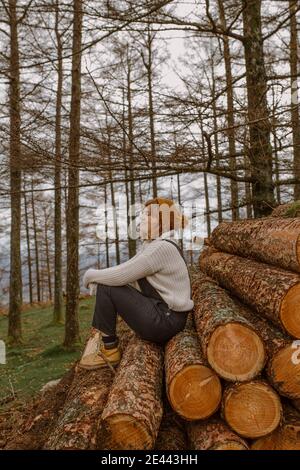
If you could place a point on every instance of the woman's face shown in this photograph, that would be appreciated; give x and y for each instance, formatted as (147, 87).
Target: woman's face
(149, 225)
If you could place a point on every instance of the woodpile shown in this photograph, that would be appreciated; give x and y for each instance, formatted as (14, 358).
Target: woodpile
(230, 380)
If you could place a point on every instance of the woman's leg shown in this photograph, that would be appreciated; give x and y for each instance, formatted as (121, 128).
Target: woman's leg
(141, 313)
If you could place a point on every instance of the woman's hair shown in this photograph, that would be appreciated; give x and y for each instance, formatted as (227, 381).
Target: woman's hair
(170, 215)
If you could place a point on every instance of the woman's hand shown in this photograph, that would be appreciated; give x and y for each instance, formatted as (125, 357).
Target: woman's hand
(87, 279)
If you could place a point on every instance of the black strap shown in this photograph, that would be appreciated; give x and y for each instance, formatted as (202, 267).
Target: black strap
(149, 291)
(180, 251)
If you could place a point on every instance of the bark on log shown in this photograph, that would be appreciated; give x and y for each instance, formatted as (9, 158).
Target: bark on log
(289, 209)
(272, 240)
(252, 409)
(273, 292)
(133, 411)
(230, 342)
(285, 437)
(213, 434)
(78, 425)
(193, 388)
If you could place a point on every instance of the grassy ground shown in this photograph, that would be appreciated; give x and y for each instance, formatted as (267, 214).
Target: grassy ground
(41, 358)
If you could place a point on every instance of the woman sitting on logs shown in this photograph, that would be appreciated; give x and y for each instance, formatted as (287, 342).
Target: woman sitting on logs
(151, 291)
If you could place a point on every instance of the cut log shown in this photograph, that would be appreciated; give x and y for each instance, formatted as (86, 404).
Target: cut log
(285, 437)
(133, 411)
(273, 241)
(213, 434)
(283, 365)
(193, 388)
(230, 342)
(77, 427)
(273, 292)
(252, 409)
(172, 434)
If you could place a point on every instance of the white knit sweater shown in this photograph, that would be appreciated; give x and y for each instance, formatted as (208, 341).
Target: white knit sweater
(158, 261)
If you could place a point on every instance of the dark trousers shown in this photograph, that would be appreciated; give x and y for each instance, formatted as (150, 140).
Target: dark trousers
(148, 317)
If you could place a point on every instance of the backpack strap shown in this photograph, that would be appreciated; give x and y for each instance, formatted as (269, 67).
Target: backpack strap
(149, 291)
(181, 253)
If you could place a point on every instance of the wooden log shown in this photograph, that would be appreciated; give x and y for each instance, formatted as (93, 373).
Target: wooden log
(78, 425)
(252, 409)
(172, 433)
(273, 292)
(289, 209)
(133, 411)
(213, 434)
(273, 241)
(230, 342)
(193, 388)
(285, 437)
(283, 363)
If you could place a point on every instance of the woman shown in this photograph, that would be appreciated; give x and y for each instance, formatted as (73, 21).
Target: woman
(151, 291)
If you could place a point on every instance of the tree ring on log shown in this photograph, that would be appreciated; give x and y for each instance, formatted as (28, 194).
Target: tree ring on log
(252, 409)
(284, 372)
(128, 432)
(229, 445)
(195, 392)
(236, 352)
(290, 311)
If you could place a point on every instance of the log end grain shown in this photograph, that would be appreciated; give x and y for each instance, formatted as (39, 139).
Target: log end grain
(230, 445)
(126, 433)
(195, 392)
(252, 409)
(290, 311)
(236, 352)
(285, 437)
(284, 372)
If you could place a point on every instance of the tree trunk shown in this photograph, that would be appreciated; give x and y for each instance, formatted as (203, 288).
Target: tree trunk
(15, 282)
(230, 115)
(252, 409)
(273, 292)
(229, 341)
(36, 246)
(72, 324)
(29, 260)
(47, 254)
(193, 389)
(131, 241)
(213, 434)
(294, 64)
(133, 411)
(260, 151)
(270, 240)
(58, 297)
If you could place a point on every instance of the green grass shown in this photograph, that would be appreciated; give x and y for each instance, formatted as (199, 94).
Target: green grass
(41, 358)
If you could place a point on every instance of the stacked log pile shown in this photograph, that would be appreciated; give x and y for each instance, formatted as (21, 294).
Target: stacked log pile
(229, 380)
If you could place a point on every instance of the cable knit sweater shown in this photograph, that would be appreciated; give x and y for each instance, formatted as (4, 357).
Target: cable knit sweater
(158, 261)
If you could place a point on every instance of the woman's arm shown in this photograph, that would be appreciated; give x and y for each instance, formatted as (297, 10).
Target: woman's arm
(129, 271)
